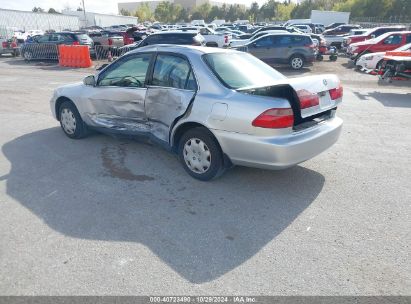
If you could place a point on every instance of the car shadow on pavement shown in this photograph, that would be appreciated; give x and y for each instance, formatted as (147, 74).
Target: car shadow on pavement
(119, 190)
(396, 100)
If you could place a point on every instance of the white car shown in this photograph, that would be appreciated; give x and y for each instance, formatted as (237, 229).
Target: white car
(304, 28)
(214, 39)
(373, 61)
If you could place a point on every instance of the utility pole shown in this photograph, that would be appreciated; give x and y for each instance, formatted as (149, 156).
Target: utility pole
(84, 12)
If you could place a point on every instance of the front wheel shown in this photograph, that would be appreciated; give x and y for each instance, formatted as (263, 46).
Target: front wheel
(71, 122)
(200, 154)
(297, 62)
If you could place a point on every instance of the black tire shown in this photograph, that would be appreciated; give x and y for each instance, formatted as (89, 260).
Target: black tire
(28, 55)
(379, 64)
(80, 129)
(296, 62)
(198, 135)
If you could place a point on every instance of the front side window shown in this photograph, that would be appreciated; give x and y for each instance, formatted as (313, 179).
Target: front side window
(173, 72)
(240, 70)
(393, 39)
(129, 72)
(43, 39)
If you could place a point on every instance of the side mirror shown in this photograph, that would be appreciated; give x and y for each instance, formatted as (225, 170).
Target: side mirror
(89, 80)
(372, 36)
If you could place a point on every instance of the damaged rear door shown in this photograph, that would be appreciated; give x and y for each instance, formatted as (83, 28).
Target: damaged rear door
(171, 89)
(117, 101)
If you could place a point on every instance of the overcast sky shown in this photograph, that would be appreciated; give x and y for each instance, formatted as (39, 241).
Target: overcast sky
(98, 6)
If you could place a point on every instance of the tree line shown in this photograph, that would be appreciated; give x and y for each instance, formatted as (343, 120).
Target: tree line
(272, 10)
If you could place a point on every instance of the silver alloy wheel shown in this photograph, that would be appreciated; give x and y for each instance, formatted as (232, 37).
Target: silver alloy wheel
(197, 155)
(28, 55)
(297, 63)
(68, 121)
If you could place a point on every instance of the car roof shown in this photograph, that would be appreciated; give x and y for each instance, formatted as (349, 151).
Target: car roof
(176, 32)
(182, 49)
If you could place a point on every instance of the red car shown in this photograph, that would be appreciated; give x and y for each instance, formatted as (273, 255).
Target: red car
(386, 42)
(373, 33)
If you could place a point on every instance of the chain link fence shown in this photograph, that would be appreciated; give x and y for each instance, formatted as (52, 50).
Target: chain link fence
(105, 52)
(370, 22)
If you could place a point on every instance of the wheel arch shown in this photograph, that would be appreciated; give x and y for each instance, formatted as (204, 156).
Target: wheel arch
(184, 127)
(59, 102)
(297, 54)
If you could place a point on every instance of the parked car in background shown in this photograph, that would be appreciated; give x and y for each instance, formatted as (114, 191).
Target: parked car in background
(214, 39)
(354, 32)
(373, 33)
(334, 25)
(106, 39)
(239, 42)
(8, 46)
(386, 42)
(174, 37)
(374, 60)
(319, 28)
(45, 47)
(340, 30)
(214, 108)
(304, 28)
(296, 50)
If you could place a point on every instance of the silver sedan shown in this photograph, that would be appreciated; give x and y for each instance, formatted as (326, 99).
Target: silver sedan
(214, 108)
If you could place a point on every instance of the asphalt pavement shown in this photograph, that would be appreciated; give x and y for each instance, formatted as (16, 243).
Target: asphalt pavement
(113, 216)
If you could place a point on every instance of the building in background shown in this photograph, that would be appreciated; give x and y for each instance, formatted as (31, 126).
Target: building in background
(187, 4)
(13, 20)
(24, 21)
(103, 20)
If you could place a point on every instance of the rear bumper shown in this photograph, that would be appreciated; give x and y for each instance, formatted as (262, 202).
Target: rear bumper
(279, 152)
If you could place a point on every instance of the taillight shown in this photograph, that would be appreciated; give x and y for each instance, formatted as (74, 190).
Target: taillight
(307, 99)
(311, 46)
(110, 41)
(76, 43)
(225, 39)
(337, 92)
(275, 119)
(5, 44)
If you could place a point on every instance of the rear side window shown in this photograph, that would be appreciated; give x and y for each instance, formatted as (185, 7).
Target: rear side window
(153, 39)
(181, 39)
(173, 72)
(408, 39)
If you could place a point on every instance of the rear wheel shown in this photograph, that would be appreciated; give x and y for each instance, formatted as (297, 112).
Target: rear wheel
(71, 122)
(297, 62)
(28, 55)
(200, 154)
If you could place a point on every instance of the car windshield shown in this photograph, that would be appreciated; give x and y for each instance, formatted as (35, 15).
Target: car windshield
(241, 70)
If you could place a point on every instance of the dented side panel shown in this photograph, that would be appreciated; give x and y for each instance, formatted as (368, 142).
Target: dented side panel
(163, 106)
(116, 108)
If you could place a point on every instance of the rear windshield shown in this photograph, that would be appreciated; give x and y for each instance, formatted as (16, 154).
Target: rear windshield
(241, 70)
(83, 37)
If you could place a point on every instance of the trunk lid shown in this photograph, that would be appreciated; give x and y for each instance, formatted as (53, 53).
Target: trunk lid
(319, 85)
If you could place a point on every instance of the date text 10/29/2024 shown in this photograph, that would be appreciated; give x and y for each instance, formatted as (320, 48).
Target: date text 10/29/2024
(202, 299)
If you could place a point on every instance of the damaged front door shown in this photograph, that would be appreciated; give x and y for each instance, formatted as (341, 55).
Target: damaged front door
(117, 101)
(169, 94)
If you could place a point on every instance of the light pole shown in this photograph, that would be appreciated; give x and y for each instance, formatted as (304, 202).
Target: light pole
(84, 12)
